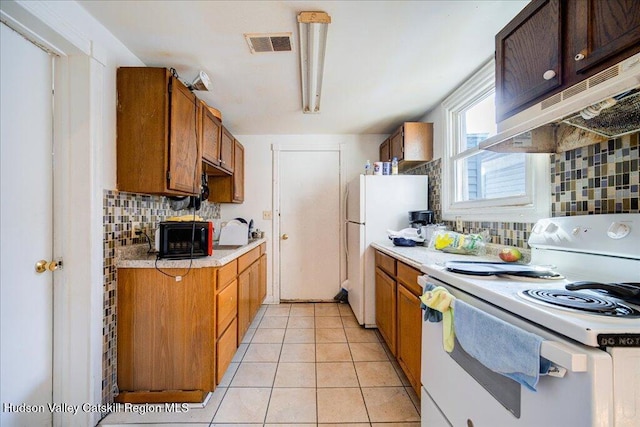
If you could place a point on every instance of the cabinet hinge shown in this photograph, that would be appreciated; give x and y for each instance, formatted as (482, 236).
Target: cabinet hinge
(168, 175)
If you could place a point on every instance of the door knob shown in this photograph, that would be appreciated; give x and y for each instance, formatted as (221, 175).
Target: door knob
(285, 237)
(42, 266)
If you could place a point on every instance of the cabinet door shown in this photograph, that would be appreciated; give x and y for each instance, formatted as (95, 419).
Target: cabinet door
(211, 131)
(238, 173)
(262, 285)
(397, 145)
(226, 150)
(226, 306)
(254, 289)
(225, 349)
(409, 335)
(244, 304)
(386, 308)
(603, 29)
(385, 153)
(184, 145)
(165, 332)
(528, 56)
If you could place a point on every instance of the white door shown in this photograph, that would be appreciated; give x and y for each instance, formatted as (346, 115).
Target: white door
(309, 225)
(26, 199)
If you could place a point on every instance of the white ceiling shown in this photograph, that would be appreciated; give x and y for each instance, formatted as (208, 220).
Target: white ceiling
(386, 61)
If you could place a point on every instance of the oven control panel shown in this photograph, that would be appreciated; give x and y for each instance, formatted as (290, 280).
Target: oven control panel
(606, 234)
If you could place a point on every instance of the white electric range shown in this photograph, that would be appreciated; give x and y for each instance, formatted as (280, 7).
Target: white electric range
(594, 348)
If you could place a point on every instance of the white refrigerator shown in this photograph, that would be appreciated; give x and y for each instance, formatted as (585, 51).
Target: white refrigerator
(375, 204)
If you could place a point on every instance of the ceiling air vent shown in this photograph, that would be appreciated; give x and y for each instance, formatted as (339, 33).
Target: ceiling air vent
(273, 42)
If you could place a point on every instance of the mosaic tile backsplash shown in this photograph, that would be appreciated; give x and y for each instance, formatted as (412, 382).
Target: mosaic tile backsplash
(120, 210)
(596, 179)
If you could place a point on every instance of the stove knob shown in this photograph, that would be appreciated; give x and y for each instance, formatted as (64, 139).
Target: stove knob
(618, 230)
(551, 228)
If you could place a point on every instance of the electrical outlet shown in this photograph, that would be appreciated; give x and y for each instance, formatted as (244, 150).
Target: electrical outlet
(135, 226)
(267, 215)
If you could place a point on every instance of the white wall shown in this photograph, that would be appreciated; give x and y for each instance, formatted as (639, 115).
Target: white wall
(357, 149)
(84, 165)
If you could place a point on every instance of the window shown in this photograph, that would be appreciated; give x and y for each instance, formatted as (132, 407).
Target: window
(485, 185)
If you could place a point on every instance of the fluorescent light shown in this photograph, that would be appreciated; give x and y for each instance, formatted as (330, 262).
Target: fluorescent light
(313, 40)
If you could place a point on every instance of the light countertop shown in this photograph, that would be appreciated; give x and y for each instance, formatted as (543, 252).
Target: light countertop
(137, 257)
(416, 256)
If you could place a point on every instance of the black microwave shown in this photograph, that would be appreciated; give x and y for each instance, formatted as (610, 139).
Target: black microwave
(185, 239)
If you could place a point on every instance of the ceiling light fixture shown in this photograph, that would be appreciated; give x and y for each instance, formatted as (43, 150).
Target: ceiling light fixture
(313, 39)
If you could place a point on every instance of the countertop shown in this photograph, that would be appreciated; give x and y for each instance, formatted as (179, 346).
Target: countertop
(137, 257)
(416, 256)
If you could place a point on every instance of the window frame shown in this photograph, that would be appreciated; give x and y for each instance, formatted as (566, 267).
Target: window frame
(535, 204)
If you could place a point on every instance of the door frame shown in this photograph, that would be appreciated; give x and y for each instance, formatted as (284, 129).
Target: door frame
(276, 149)
(77, 144)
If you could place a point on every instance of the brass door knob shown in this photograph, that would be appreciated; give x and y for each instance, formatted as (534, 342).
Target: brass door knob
(42, 266)
(285, 237)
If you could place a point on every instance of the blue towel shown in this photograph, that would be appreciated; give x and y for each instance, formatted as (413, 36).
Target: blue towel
(430, 314)
(501, 347)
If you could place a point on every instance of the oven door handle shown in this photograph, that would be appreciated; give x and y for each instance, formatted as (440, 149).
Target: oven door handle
(563, 356)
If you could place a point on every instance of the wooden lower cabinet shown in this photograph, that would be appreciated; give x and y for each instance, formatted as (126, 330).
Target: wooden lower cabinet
(176, 340)
(249, 299)
(409, 335)
(166, 333)
(386, 308)
(398, 313)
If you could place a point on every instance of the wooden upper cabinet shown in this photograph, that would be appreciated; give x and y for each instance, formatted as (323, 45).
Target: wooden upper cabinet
(229, 188)
(552, 45)
(211, 133)
(158, 143)
(396, 145)
(238, 172)
(528, 56)
(385, 151)
(411, 144)
(227, 150)
(602, 30)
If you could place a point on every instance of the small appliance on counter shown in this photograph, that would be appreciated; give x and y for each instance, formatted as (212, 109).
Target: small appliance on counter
(419, 219)
(185, 239)
(235, 233)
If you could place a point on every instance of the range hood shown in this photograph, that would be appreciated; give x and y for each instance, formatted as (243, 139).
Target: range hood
(606, 105)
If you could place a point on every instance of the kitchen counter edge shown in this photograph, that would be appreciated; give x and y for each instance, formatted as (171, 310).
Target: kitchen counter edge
(417, 256)
(219, 258)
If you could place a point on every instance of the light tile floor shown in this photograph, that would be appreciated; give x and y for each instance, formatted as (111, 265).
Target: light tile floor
(304, 365)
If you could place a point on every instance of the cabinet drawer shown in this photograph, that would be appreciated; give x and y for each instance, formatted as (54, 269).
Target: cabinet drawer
(386, 263)
(409, 278)
(227, 273)
(263, 248)
(225, 349)
(247, 259)
(226, 306)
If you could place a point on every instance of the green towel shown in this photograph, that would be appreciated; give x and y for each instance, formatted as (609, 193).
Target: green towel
(440, 299)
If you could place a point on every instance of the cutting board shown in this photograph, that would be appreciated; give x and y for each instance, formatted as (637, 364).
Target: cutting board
(480, 268)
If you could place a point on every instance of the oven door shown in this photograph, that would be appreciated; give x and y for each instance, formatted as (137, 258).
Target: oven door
(468, 394)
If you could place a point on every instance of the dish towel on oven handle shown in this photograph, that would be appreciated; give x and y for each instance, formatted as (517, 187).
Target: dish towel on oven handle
(500, 346)
(439, 299)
